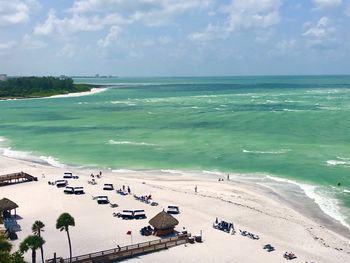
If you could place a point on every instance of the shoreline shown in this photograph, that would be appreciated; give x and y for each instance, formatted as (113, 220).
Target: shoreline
(257, 181)
(92, 91)
(247, 206)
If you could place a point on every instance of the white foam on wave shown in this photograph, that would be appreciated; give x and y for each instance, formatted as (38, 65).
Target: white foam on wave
(291, 110)
(343, 158)
(337, 162)
(213, 172)
(123, 102)
(346, 191)
(267, 152)
(29, 156)
(169, 171)
(323, 198)
(113, 142)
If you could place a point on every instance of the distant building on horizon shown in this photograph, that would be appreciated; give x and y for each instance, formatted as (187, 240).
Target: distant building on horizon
(3, 77)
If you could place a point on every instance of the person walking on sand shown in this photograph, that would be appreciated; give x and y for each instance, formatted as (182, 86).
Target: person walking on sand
(228, 177)
(129, 191)
(195, 189)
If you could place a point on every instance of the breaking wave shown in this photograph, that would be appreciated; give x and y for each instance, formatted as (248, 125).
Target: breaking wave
(321, 196)
(267, 152)
(113, 142)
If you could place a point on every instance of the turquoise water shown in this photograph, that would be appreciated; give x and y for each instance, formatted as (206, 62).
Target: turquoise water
(293, 127)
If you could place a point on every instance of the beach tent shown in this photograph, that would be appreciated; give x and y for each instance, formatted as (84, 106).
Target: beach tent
(163, 223)
(6, 205)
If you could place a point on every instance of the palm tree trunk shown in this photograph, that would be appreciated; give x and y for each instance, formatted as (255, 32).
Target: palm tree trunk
(41, 248)
(33, 256)
(70, 247)
(42, 253)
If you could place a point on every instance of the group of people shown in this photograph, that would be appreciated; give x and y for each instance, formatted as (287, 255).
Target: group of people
(248, 234)
(124, 190)
(289, 255)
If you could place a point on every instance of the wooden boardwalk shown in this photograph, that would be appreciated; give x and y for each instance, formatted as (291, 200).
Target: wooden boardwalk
(16, 178)
(117, 254)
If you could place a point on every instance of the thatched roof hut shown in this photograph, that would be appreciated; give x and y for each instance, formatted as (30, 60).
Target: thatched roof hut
(163, 223)
(7, 205)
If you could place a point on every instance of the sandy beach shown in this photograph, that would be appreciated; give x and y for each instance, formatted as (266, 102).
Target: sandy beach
(96, 229)
(79, 94)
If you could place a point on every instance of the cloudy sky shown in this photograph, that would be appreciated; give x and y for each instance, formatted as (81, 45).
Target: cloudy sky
(174, 37)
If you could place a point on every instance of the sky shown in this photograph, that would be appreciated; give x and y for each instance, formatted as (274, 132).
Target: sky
(174, 37)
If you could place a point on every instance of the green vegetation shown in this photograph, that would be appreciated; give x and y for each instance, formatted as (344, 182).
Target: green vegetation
(63, 222)
(5, 252)
(37, 228)
(31, 87)
(31, 242)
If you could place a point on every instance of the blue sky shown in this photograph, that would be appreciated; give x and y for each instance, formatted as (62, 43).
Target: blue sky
(174, 38)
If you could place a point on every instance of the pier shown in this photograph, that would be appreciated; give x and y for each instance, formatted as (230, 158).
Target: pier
(120, 253)
(15, 178)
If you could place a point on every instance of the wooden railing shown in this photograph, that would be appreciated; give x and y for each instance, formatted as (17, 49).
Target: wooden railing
(7, 178)
(126, 251)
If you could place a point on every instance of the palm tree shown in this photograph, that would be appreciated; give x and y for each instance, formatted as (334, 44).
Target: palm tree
(36, 229)
(5, 246)
(63, 222)
(32, 242)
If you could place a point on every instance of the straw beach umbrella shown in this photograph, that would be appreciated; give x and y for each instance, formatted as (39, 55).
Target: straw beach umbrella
(163, 223)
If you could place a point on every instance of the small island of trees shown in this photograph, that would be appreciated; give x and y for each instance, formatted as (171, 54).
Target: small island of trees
(33, 87)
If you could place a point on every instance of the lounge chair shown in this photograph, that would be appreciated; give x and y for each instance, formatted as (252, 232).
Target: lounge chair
(108, 187)
(172, 209)
(102, 200)
(61, 183)
(127, 214)
(68, 190)
(68, 175)
(79, 190)
(139, 214)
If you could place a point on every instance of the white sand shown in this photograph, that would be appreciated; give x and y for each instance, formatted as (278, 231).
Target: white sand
(96, 229)
(79, 94)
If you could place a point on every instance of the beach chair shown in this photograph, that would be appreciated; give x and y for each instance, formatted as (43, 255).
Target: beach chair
(108, 187)
(172, 209)
(68, 190)
(127, 214)
(102, 200)
(139, 214)
(79, 190)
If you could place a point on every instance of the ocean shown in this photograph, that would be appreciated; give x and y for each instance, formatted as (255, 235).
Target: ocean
(291, 129)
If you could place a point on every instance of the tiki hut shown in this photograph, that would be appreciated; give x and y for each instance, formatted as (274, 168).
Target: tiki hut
(163, 224)
(6, 205)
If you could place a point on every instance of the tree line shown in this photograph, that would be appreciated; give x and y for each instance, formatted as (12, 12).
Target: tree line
(23, 87)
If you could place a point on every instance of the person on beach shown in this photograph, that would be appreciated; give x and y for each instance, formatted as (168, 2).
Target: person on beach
(195, 189)
(228, 177)
(123, 188)
(129, 191)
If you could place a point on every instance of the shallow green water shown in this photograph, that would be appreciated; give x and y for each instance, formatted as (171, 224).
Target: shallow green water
(291, 127)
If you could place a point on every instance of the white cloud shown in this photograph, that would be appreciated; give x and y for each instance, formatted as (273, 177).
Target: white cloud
(76, 23)
(7, 45)
(113, 34)
(326, 4)
(150, 12)
(242, 15)
(321, 34)
(321, 30)
(16, 11)
(29, 42)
